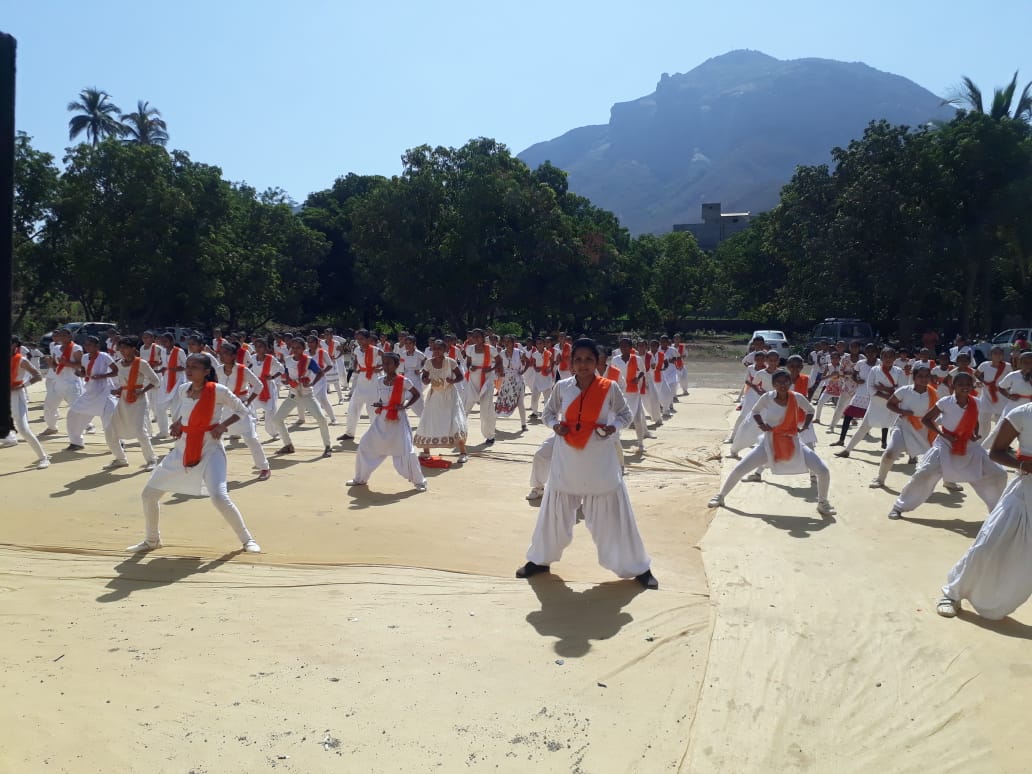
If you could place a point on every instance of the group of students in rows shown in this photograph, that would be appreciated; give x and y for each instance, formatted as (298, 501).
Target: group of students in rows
(954, 422)
(213, 388)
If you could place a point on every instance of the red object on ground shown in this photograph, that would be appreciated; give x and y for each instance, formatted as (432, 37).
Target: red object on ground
(435, 462)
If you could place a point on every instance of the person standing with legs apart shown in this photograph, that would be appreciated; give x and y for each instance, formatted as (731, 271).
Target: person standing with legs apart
(155, 356)
(245, 387)
(882, 382)
(171, 378)
(320, 391)
(585, 475)
(23, 373)
(484, 362)
(98, 370)
(544, 374)
(300, 373)
(363, 389)
(389, 433)
(66, 386)
(131, 420)
(955, 455)
(267, 368)
(197, 464)
(861, 399)
(908, 435)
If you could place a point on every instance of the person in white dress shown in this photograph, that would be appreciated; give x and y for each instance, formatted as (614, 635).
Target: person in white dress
(955, 456)
(267, 368)
(669, 372)
(300, 372)
(197, 464)
(908, 434)
(66, 385)
(510, 395)
(630, 375)
(781, 415)
(317, 350)
(682, 365)
(23, 373)
(759, 383)
(334, 346)
(861, 399)
(412, 361)
(585, 475)
(97, 370)
(989, 374)
(155, 356)
(245, 386)
(389, 433)
(443, 421)
(483, 363)
(172, 375)
(882, 382)
(995, 574)
(363, 389)
(544, 373)
(831, 381)
(131, 420)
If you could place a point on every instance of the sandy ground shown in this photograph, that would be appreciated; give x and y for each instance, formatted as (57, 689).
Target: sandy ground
(384, 632)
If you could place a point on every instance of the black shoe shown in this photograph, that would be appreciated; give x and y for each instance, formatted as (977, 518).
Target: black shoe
(530, 569)
(648, 580)
(327, 452)
(74, 447)
(489, 442)
(345, 437)
(912, 461)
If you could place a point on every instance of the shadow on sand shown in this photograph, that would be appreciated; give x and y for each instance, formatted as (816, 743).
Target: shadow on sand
(136, 574)
(578, 617)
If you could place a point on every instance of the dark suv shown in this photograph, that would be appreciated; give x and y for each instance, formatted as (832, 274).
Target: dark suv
(834, 329)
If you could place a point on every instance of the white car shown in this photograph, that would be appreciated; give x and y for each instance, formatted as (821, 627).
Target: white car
(775, 340)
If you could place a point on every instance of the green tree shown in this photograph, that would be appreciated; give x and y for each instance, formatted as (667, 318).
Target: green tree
(97, 116)
(145, 126)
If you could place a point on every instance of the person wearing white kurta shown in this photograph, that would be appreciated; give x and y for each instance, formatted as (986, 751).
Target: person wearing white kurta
(156, 357)
(544, 375)
(320, 391)
(669, 373)
(830, 385)
(882, 382)
(995, 574)
(483, 366)
(171, 377)
(768, 415)
(412, 361)
(989, 373)
(510, 395)
(98, 370)
(622, 361)
(368, 365)
(23, 373)
(209, 476)
(389, 433)
(682, 364)
(747, 432)
(909, 403)
(588, 479)
(946, 462)
(300, 373)
(131, 419)
(66, 385)
(334, 346)
(267, 368)
(245, 386)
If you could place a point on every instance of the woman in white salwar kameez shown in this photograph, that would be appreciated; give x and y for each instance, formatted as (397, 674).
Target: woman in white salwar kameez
(908, 435)
(97, 369)
(995, 574)
(781, 415)
(23, 373)
(1016, 389)
(882, 382)
(301, 373)
(389, 433)
(267, 368)
(510, 396)
(746, 431)
(241, 381)
(955, 456)
(171, 377)
(197, 463)
(443, 421)
(585, 474)
(131, 418)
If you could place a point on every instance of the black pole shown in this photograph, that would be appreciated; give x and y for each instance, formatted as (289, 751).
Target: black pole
(8, 45)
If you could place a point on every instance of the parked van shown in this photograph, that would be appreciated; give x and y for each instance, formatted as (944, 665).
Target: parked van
(847, 329)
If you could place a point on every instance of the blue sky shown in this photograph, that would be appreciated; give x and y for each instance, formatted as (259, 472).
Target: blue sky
(294, 94)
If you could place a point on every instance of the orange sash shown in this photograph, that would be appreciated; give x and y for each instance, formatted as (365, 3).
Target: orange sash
(991, 386)
(394, 404)
(888, 375)
(632, 374)
(965, 427)
(783, 437)
(302, 368)
(66, 353)
(331, 345)
(367, 369)
(546, 362)
(485, 366)
(218, 343)
(660, 360)
(16, 359)
(241, 355)
(582, 415)
(89, 367)
(613, 374)
(266, 370)
(151, 360)
(173, 363)
(129, 391)
(200, 423)
(802, 384)
(916, 423)
(564, 358)
(238, 387)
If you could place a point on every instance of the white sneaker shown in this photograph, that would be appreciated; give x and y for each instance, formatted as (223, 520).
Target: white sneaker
(876, 484)
(895, 514)
(117, 464)
(8, 442)
(43, 464)
(90, 429)
(252, 548)
(716, 501)
(422, 486)
(753, 477)
(151, 465)
(352, 482)
(146, 545)
(463, 458)
(535, 494)
(824, 508)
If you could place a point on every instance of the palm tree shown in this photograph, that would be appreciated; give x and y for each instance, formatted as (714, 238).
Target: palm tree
(145, 126)
(970, 96)
(98, 116)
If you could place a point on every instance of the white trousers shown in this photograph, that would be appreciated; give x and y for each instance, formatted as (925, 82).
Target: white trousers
(610, 520)
(488, 416)
(215, 482)
(407, 464)
(246, 428)
(928, 474)
(59, 391)
(757, 458)
(133, 417)
(682, 379)
(859, 434)
(308, 403)
(269, 409)
(363, 396)
(78, 421)
(322, 396)
(20, 414)
(894, 449)
(823, 399)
